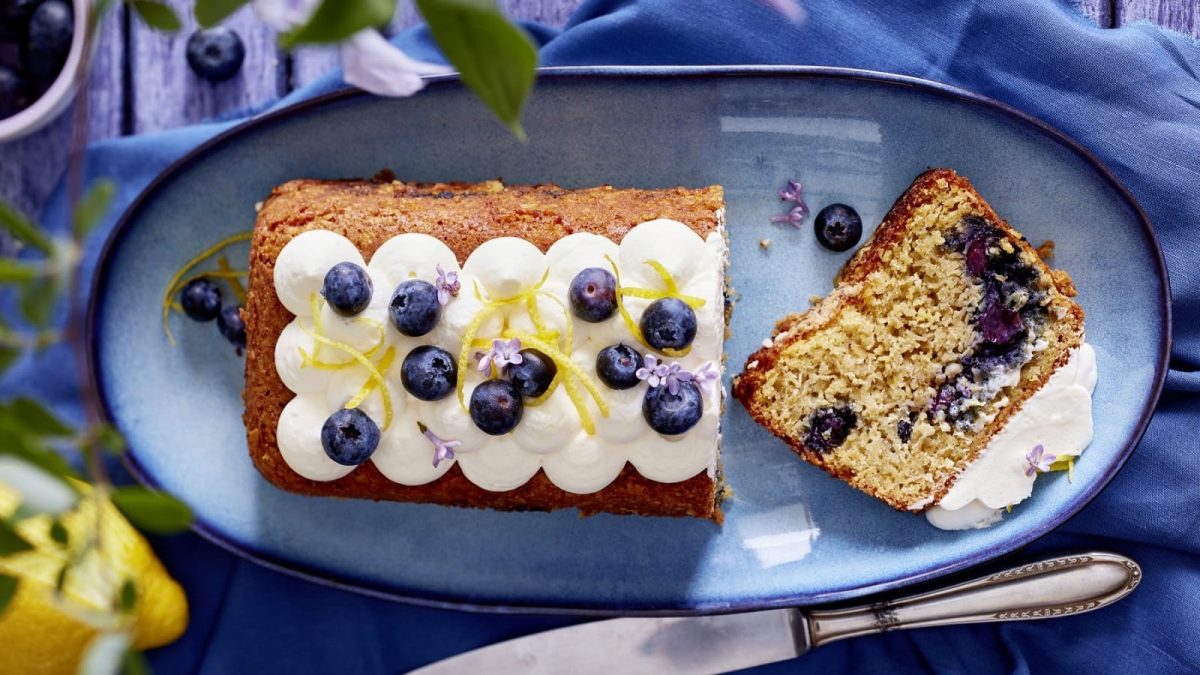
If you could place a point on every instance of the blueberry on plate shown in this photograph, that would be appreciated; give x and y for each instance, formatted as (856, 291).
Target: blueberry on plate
(593, 294)
(51, 29)
(215, 54)
(429, 373)
(617, 365)
(14, 92)
(232, 327)
(415, 308)
(533, 375)
(201, 300)
(349, 437)
(496, 407)
(838, 227)
(670, 414)
(668, 323)
(347, 288)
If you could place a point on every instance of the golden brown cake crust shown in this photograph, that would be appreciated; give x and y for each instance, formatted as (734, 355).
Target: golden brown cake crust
(463, 216)
(801, 326)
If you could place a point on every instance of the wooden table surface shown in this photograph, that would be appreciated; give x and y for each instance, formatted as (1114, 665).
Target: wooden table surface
(141, 83)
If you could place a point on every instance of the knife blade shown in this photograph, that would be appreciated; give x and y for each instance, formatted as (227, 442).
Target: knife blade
(635, 646)
(684, 645)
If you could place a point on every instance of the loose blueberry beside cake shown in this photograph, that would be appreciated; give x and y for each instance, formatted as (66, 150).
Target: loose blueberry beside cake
(946, 352)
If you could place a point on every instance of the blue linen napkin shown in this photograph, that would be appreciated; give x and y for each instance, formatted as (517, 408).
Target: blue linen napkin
(1132, 96)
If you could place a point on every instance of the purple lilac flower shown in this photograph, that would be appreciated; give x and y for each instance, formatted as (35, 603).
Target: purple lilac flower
(503, 353)
(652, 371)
(442, 449)
(1039, 461)
(707, 373)
(792, 192)
(795, 217)
(447, 285)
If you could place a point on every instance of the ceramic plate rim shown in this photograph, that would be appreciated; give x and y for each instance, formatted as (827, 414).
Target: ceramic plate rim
(416, 596)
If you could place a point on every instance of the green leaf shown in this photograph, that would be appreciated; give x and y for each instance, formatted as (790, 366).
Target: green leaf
(37, 418)
(128, 596)
(8, 589)
(110, 439)
(22, 228)
(18, 441)
(212, 12)
(37, 299)
(10, 541)
(59, 534)
(8, 355)
(495, 59)
(157, 15)
(151, 511)
(336, 20)
(14, 270)
(93, 205)
(134, 663)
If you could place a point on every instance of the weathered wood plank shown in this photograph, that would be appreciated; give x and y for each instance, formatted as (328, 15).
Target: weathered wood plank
(1099, 11)
(1180, 15)
(166, 93)
(31, 167)
(311, 63)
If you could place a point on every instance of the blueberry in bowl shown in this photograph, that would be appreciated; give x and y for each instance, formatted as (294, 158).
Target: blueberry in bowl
(42, 45)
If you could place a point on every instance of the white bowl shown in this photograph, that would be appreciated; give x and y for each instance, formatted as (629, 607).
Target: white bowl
(48, 106)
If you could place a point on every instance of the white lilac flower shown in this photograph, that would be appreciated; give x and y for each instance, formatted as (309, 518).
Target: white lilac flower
(503, 354)
(1038, 460)
(442, 449)
(369, 61)
(447, 285)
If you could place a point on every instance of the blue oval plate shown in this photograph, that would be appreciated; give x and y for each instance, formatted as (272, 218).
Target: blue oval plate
(792, 535)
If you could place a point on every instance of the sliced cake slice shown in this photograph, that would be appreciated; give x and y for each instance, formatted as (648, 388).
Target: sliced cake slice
(937, 332)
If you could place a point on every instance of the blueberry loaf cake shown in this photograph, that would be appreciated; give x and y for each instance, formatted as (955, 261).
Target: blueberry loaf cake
(489, 345)
(946, 369)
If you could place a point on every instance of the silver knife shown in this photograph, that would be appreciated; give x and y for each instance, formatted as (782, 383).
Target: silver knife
(724, 642)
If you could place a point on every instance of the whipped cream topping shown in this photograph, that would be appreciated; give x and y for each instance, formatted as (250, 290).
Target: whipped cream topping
(550, 436)
(1058, 417)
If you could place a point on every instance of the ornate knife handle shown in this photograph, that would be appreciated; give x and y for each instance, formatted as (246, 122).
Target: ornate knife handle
(1040, 590)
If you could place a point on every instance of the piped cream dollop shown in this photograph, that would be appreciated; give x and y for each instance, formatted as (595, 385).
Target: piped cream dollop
(549, 437)
(1058, 417)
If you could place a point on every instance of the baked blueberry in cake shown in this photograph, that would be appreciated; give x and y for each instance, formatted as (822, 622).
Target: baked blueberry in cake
(947, 354)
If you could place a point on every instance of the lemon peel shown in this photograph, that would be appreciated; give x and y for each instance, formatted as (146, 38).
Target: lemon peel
(568, 368)
(370, 385)
(364, 362)
(174, 283)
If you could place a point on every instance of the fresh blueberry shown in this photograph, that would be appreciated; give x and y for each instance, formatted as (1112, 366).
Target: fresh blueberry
(904, 430)
(51, 29)
(429, 373)
(668, 324)
(593, 294)
(670, 414)
(838, 227)
(215, 54)
(533, 375)
(14, 92)
(617, 365)
(829, 427)
(231, 325)
(347, 288)
(415, 308)
(14, 17)
(201, 300)
(496, 407)
(349, 437)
